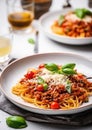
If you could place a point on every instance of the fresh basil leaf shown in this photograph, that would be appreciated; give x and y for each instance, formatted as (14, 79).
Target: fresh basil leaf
(31, 40)
(16, 122)
(80, 13)
(52, 67)
(45, 86)
(40, 80)
(68, 87)
(70, 65)
(61, 20)
(68, 71)
(87, 12)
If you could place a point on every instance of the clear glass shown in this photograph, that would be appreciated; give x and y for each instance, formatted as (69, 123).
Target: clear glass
(20, 14)
(5, 49)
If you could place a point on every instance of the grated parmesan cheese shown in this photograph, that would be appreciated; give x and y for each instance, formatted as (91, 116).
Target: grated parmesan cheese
(53, 79)
(73, 17)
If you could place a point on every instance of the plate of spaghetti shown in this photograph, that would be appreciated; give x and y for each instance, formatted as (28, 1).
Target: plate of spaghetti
(49, 83)
(73, 27)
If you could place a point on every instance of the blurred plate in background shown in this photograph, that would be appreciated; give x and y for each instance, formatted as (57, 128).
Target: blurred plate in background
(47, 20)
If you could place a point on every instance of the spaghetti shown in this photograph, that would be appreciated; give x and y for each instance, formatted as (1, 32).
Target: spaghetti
(47, 87)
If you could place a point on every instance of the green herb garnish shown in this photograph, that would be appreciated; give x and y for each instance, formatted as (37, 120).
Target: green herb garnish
(61, 20)
(52, 67)
(16, 122)
(70, 65)
(81, 13)
(87, 12)
(68, 86)
(67, 69)
(45, 86)
(31, 40)
(40, 80)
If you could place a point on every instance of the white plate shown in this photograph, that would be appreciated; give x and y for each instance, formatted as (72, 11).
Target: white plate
(16, 70)
(47, 20)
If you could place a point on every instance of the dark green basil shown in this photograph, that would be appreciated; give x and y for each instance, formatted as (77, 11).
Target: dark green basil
(81, 13)
(87, 12)
(16, 122)
(70, 65)
(68, 71)
(52, 67)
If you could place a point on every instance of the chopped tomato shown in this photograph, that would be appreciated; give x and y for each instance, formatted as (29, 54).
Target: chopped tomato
(29, 75)
(55, 105)
(80, 76)
(40, 88)
(41, 66)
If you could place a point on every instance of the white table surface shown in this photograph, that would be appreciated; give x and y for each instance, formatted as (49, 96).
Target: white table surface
(22, 48)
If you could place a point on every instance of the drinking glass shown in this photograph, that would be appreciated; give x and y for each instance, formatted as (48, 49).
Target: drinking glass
(5, 49)
(20, 14)
(41, 7)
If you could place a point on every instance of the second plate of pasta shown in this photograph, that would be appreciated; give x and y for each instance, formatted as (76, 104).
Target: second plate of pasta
(48, 27)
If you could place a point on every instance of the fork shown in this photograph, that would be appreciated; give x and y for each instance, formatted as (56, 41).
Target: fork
(35, 26)
(36, 46)
(89, 77)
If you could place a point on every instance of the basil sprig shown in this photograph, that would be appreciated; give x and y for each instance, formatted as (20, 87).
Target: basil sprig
(70, 65)
(68, 86)
(67, 69)
(61, 20)
(81, 13)
(52, 67)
